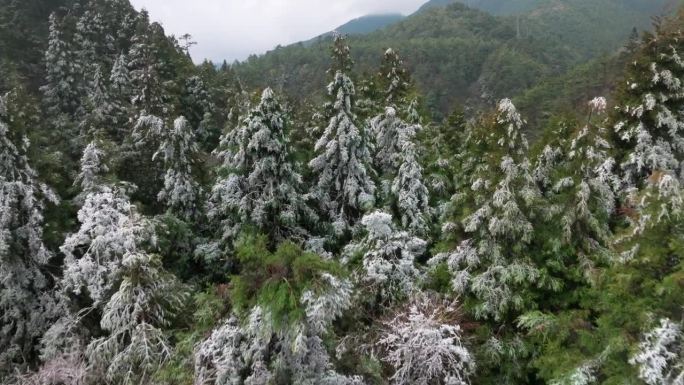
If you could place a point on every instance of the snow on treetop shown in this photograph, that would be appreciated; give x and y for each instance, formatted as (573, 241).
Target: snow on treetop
(598, 105)
(379, 224)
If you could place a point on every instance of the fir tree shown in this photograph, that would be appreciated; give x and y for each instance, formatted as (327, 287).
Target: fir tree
(394, 78)
(582, 186)
(259, 184)
(402, 175)
(25, 299)
(493, 265)
(61, 94)
(424, 344)
(100, 111)
(650, 120)
(146, 301)
(181, 193)
(388, 257)
(93, 169)
(344, 188)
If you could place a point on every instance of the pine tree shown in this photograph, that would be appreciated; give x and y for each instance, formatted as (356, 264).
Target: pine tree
(92, 44)
(110, 228)
(100, 111)
(402, 175)
(493, 266)
(25, 299)
(259, 184)
(200, 110)
(581, 186)
(181, 193)
(279, 340)
(60, 92)
(93, 169)
(424, 344)
(661, 355)
(146, 301)
(342, 168)
(394, 78)
(412, 199)
(144, 66)
(650, 120)
(388, 257)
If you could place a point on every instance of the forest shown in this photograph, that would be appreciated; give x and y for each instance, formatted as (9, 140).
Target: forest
(483, 193)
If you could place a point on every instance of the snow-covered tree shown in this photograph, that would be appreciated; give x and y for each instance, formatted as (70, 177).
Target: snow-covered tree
(388, 258)
(93, 169)
(387, 129)
(262, 351)
(579, 176)
(259, 184)
(342, 167)
(119, 98)
(100, 110)
(145, 302)
(110, 228)
(92, 43)
(178, 149)
(660, 357)
(200, 110)
(26, 305)
(394, 78)
(650, 121)
(424, 345)
(144, 66)
(61, 92)
(493, 265)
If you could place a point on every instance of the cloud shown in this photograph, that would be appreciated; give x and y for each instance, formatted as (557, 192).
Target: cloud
(234, 29)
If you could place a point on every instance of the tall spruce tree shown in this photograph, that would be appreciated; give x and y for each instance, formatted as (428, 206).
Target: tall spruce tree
(344, 188)
(181, 193)
(259, 184)
(27, 306)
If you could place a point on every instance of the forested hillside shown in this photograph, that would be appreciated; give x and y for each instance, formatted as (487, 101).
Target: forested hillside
(459, 55)
(168, 223)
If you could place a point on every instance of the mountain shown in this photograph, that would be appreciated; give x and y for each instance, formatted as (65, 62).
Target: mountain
(459, 54)
(361, 26)
(368, 24)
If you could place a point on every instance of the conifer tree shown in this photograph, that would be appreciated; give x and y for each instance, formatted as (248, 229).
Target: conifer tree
(60, 91)
(146, 301)
(394, 78)
(120, 89)
(402, 175)
(25, 299)
(200, 110)
(411, 196)
(650, 120)
(100, 111)
(280, 340)
(582, 185)
(344, 188)
(660, 357)
(178, 149)
(92, 43)
(493, 265)
(424, 344)
(259, 184)
(388, 257)
(93, 169)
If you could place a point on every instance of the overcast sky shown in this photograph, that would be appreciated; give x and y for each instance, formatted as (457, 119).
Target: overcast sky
(234, 29)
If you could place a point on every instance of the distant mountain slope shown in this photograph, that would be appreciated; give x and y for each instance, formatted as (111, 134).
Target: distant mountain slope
(362, 25)
(513, 7)
(368, 24)
(458, 54)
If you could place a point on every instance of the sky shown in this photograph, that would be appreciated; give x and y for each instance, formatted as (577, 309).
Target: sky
(234, 29)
